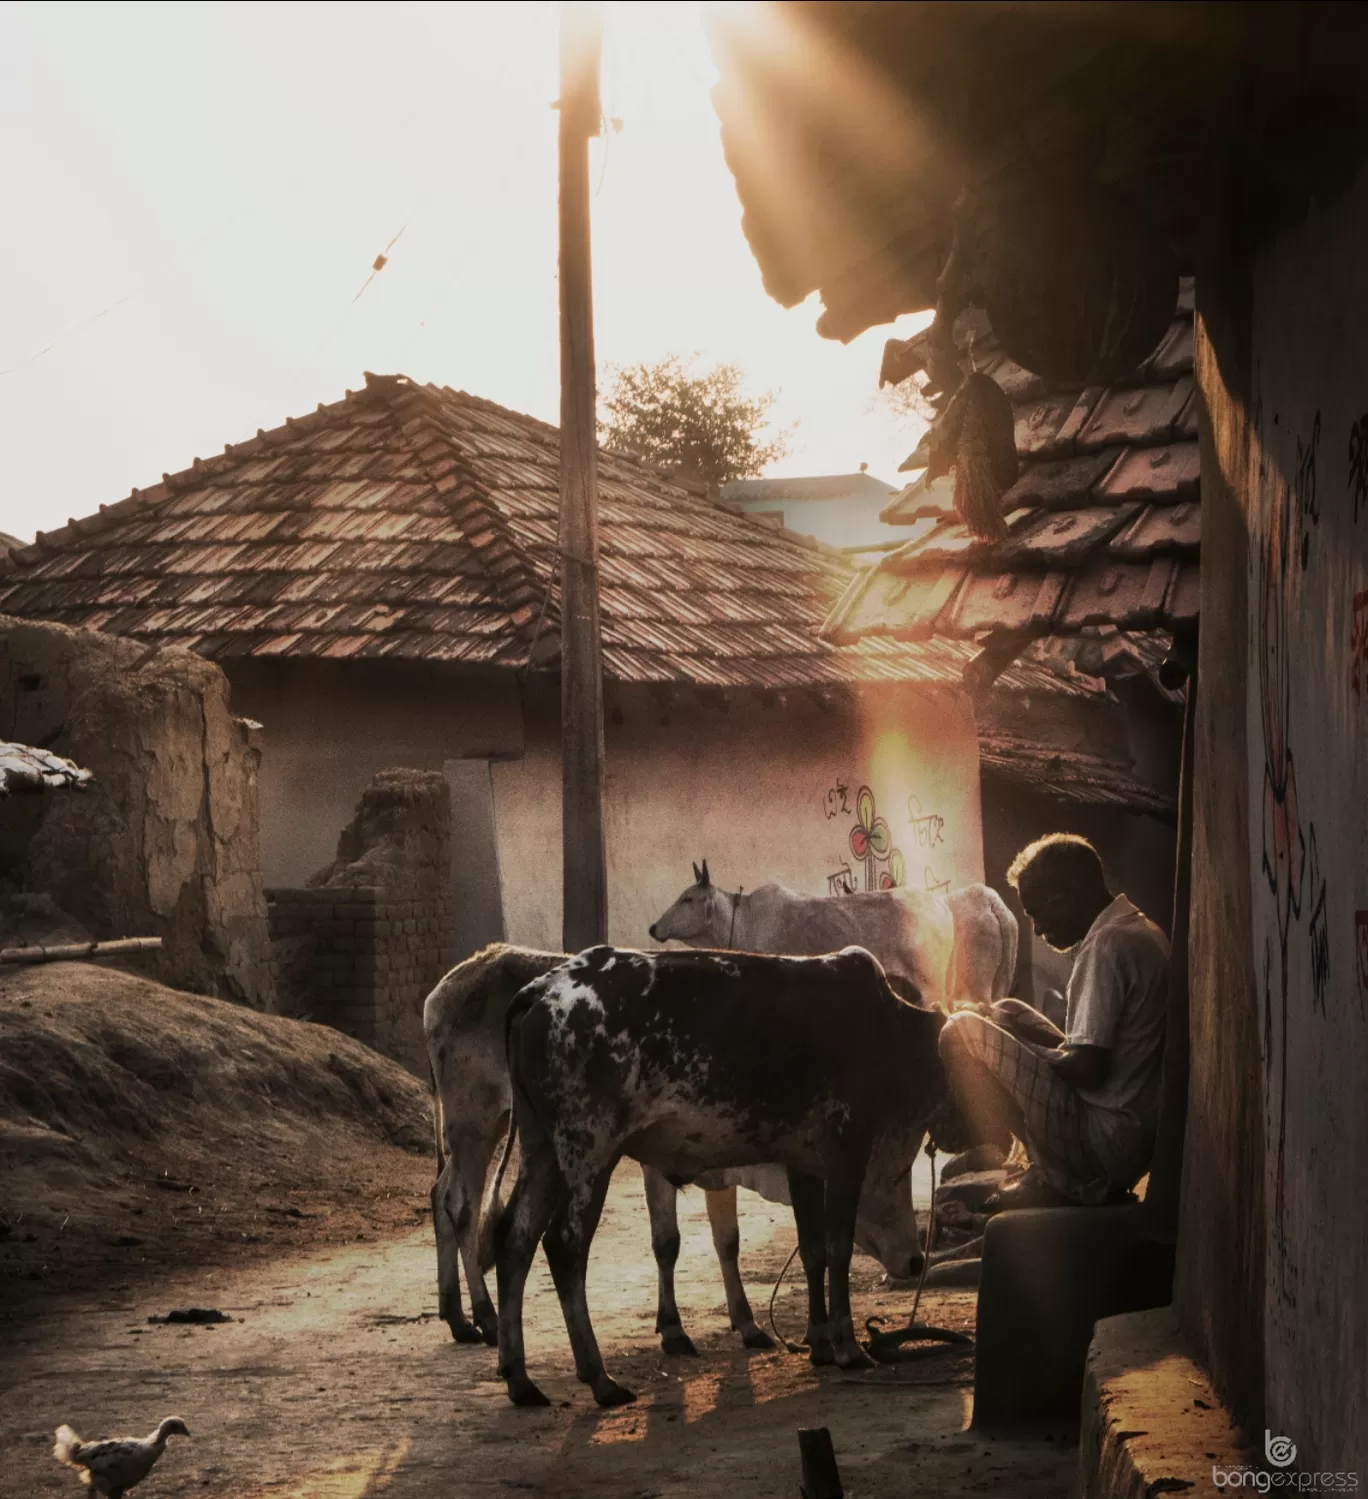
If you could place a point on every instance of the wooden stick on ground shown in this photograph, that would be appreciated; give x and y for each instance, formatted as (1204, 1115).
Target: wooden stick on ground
(67, 951)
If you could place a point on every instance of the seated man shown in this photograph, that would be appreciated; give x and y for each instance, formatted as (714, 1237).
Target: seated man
(1084, 1101)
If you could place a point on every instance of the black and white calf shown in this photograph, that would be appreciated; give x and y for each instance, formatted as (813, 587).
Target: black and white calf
(464, 1023)
(688, 1061)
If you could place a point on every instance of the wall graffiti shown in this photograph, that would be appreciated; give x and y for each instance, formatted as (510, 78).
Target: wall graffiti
(871, 841)
(836, 801)
(1358, 465)
(1282, 545)
(1318, 927)
(928, 828)
(1358, 645)
(1308, 507)
(879, 863)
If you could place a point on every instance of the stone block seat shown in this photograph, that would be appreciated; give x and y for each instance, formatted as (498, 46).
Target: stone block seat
(1049, 1274)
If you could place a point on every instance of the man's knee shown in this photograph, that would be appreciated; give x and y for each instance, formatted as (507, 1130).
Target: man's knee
(963, 1036)
(1005, 1011)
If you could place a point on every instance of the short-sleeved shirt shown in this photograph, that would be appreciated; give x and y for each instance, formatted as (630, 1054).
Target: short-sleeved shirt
(1118, 999)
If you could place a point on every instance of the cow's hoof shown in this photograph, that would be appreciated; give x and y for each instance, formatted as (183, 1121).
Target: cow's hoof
(820, 1352)
(610, 1393)
(757, 1337)
(523, 1392)
(678, 1343)
(463, 1332)
(859, 1359)
(487, 1332)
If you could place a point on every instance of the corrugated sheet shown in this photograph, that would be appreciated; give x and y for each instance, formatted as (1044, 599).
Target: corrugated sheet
(418, 523)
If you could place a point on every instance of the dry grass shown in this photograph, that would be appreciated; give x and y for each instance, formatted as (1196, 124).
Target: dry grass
(142, 1127)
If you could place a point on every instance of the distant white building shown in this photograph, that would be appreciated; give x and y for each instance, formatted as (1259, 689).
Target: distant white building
(839, 509)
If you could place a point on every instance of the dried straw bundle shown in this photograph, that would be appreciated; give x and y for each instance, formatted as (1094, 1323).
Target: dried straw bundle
(976, 437)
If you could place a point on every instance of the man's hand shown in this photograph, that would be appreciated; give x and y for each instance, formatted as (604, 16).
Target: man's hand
(1083, 1067)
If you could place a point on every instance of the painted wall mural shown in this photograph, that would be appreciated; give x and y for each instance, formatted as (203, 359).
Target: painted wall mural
(879, 863)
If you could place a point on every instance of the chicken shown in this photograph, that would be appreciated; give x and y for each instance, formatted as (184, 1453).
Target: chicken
(112, 1467)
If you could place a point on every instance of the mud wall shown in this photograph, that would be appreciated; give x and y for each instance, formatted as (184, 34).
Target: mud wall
(1274, 1236)
(166, 841)
(333, 726)
(363, 944)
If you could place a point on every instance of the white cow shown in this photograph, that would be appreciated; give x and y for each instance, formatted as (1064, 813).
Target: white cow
(951, 949)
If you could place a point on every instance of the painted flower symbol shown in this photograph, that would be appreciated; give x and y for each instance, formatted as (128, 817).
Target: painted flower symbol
(870, 836)
(871, 841)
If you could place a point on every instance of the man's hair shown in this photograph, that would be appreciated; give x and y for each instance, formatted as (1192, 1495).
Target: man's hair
(1060, 856)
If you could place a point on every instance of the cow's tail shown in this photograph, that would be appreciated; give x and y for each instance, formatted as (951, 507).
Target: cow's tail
(437, 1127)
(492, 1209)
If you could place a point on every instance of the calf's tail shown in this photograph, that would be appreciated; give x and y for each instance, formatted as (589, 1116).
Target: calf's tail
(68, 1446)
(437, 1126)
(492, 1209)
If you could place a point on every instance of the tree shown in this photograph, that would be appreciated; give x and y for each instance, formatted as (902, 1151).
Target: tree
(701, 423)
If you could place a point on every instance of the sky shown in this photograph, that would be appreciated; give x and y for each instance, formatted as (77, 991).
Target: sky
(193, 196)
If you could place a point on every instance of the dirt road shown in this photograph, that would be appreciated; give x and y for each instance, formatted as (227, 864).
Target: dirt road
(337, 1382)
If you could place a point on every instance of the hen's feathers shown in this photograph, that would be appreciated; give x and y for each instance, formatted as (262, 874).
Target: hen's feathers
(112, 1466)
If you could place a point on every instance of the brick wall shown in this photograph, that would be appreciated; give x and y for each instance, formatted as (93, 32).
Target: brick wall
(364, 956)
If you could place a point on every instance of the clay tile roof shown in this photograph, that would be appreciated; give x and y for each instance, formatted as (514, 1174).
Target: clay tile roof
(415, 522)
(1104, 523)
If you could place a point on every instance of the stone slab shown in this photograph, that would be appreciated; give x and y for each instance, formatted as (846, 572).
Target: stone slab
(1150, 1421)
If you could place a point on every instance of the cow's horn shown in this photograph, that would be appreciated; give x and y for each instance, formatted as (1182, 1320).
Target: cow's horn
(703, 878)
(698, 874)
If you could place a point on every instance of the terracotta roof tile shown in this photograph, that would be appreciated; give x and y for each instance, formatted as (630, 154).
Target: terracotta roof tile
(1104, 522)
(420, 523)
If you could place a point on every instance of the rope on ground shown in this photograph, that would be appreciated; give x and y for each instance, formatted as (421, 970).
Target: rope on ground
(778, 1336)
(886, 1347)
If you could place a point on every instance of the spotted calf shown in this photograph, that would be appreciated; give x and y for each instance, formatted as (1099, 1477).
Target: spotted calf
(690, 1061)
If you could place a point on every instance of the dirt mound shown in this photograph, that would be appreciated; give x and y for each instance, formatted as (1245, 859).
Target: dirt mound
(142, 1126)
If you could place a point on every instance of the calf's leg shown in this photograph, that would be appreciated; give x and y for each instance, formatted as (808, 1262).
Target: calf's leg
(567, 1242)
(536, 1194)
(807, 1194)
(663, 1209)
(842, 1202)
(475, 1167)
(726, 1237)
(445, 1220)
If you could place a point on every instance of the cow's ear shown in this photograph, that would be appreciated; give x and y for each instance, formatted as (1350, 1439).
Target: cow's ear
(703, 878)
(698, 875)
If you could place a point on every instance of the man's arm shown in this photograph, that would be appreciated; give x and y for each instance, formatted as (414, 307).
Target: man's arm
(1084, 1067)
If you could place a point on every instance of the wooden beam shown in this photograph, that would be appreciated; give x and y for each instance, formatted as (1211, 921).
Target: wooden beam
(584, 863)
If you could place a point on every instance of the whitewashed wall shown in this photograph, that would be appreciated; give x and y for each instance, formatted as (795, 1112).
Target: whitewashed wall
(763, 793)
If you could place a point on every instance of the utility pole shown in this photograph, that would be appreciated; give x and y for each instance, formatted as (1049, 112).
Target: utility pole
(584, 866)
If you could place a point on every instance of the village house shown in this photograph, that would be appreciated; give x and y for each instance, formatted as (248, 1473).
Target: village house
(842, 510)
(378, 582)
(1060, 169)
